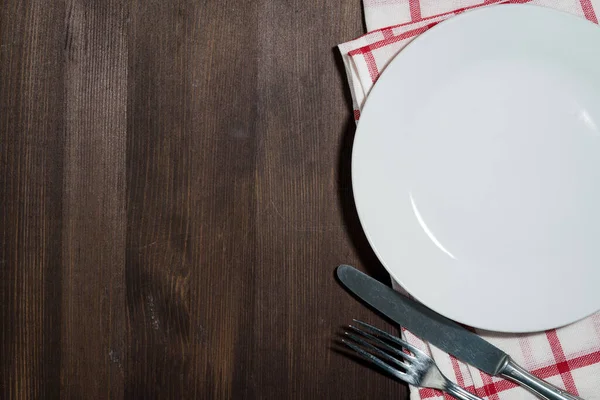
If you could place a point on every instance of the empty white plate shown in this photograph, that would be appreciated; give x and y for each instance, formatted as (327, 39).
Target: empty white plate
(476, 168)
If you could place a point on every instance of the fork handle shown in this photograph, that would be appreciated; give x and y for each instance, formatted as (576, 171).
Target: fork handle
(543, 389)
(459, 393)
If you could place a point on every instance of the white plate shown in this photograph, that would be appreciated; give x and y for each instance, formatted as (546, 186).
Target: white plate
(476, 168)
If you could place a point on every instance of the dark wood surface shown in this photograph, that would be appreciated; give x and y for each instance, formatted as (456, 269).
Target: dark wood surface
(174, 198)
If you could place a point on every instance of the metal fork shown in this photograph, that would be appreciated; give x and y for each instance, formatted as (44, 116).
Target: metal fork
(417, 368)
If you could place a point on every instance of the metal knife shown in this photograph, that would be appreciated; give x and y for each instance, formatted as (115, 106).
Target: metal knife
(444, 333)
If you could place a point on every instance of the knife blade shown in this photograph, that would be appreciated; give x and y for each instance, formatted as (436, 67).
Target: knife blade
(443, 332)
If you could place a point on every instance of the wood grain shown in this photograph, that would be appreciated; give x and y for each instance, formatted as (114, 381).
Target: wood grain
(174, 198)
(94, 223)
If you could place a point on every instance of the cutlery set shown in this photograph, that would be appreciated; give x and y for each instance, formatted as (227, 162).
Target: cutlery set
(415, 367)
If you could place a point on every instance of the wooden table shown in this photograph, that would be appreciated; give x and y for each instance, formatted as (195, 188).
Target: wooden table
(174, 197)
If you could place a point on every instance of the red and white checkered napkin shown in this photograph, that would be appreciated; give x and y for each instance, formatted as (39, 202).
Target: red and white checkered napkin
(568, 357)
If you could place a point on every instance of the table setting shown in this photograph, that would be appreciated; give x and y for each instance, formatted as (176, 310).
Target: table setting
(474, 168)
(296, 199)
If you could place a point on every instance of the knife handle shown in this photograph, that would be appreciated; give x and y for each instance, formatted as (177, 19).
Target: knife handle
(543, 389)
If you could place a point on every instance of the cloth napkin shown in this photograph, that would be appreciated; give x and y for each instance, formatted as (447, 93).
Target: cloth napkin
(568, 357)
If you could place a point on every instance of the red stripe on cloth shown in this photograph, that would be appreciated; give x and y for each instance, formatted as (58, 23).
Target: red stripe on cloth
(367, 51)
(356, 115)
(457, 372)
(402, 36)
(426, 393)
(562, 364)
(385, 42)
(584, 361)
(448, 13)
(542, 373)
(415, 10)
(588, 10)
(526, 350)
(371, 65)
(575, 363)
(489, 387)
(388, 33)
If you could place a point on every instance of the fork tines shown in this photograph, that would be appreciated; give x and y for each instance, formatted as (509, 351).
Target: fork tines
(374, 345)
(400, 359)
